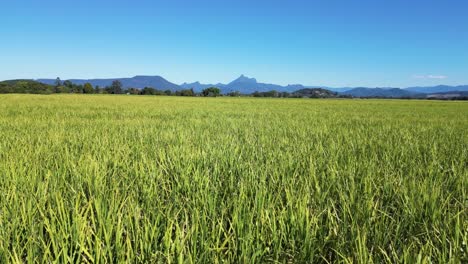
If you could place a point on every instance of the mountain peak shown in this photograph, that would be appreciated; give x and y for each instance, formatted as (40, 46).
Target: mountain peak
(244, 79)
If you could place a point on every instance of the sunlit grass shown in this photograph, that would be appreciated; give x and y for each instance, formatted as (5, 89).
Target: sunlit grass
(112, 179)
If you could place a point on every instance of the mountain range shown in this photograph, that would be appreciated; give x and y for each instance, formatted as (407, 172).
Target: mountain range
(438, 89)
(246, 85)
(139, 81)
(382, 92)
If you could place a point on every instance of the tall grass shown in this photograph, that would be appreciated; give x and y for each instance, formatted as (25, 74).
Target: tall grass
(111, 179)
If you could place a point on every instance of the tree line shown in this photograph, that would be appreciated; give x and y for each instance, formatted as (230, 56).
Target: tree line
(34, 87)
(116, 87)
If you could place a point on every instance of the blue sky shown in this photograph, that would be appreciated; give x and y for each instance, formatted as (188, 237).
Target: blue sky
(329, 42)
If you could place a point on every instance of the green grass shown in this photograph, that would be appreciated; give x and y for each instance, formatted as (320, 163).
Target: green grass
(112, 179)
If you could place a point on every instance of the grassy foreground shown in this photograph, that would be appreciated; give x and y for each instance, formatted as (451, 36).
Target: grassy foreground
(111, 179)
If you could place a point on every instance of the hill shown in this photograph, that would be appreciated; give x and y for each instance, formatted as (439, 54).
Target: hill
(25, 86)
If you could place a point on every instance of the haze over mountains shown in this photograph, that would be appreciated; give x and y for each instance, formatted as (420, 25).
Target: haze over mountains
(246, 85)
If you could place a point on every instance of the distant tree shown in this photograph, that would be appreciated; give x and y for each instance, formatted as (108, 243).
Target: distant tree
(5, 88)
(212, 91)
(25, 86)
(133, 91)
(88, 88)
(62, 89)
(234, 94)
(188, 92)
(116, 87)
(68, 84)
(59, 89)
(107, 90)
(148, 91)
(97, 89)
(58, 83)
(271, 93)
(77, 89)
(168, 92)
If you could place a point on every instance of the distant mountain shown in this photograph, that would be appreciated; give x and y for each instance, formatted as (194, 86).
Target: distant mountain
(417, 90)
(198, 87)
(244, 80)
(381, 92)
(339, 90)
(139, 82)
(437, 89)
(244, 85)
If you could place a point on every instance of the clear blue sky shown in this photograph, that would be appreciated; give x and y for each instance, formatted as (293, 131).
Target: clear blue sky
(327, 42)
